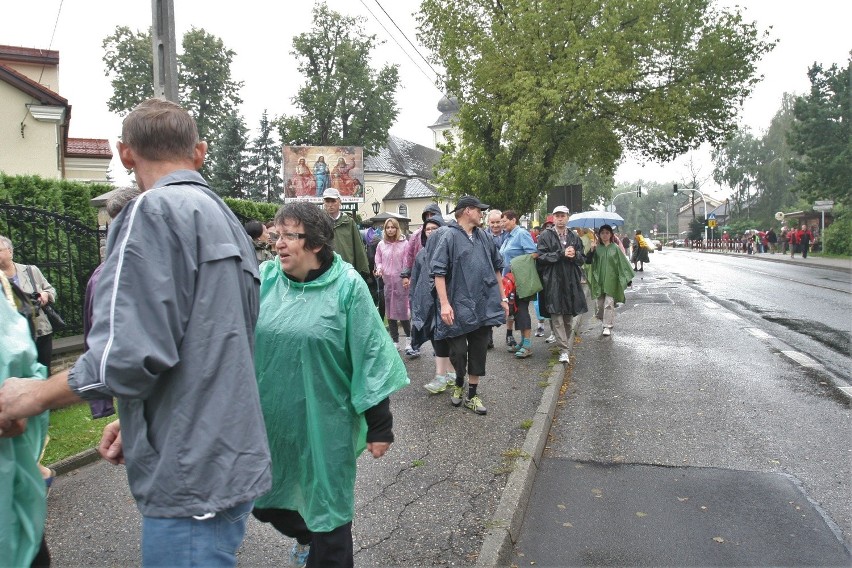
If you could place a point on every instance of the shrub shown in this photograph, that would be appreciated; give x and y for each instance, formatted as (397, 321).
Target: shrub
(837, 238)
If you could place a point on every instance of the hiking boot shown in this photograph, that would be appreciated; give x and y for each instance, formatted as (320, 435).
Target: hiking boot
(476, 405)
(299, 554)
(456, 394)
(511, 343)
(523, 353)
(412, 353)
(437, 385)
(551, 339)
(539, 331)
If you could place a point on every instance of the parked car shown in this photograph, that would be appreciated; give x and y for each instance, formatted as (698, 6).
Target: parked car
(678, 243)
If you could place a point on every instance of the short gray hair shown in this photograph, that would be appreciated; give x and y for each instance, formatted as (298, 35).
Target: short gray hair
(119, 199)
(5, 241)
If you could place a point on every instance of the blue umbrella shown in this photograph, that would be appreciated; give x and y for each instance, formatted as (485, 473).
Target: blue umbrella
(594, 219)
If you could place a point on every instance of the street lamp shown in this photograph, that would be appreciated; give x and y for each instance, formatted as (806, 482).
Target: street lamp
(667, 218)
(376, 206)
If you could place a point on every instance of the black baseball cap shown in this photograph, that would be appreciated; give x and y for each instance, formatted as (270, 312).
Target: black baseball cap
(470, 201)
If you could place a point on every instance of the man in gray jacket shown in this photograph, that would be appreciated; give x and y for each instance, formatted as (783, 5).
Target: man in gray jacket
(172, 338)
(466, 268)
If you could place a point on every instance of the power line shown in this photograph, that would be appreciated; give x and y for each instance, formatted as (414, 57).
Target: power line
(414, 47)
(52, 35)
(400, 46)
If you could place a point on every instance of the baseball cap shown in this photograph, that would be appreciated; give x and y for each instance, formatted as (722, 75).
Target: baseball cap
(470, 201)
(561, 209)
(331, 193)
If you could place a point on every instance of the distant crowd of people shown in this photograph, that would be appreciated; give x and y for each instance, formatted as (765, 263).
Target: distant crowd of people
(789, 240)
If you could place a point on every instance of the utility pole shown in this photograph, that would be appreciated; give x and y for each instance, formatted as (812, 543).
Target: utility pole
(165, 51)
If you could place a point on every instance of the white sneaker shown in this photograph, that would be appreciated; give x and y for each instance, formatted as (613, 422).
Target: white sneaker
(551, 339)
(564, 357)
(607, 331)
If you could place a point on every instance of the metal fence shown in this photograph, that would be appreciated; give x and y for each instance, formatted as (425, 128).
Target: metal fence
(63, 248)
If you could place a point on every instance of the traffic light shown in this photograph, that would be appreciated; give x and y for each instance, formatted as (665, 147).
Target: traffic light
(674, 191)
(639, 191)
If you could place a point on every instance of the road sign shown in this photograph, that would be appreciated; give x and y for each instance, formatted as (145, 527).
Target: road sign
(826, 205)
(711, 223)
(711, 216)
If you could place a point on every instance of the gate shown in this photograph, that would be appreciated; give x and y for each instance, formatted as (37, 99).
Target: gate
(63, 248)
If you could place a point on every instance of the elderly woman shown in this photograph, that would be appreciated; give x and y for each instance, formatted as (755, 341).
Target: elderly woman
(325, 369)
(30, 280)
(609, 275)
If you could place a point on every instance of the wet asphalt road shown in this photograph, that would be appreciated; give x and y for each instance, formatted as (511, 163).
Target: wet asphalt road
(694, 436)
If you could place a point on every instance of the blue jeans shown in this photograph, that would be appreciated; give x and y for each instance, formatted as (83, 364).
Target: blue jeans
(187, 541)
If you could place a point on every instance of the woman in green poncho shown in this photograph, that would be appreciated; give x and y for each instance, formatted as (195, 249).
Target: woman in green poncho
(23, 505)
(325, 369)
(609, 275)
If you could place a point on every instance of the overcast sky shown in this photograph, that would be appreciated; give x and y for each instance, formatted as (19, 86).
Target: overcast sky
(260, 32)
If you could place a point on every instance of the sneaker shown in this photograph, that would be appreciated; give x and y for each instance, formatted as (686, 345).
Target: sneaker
(607, 331)
(412, 353)
(475, 404)
(299, 554)
(511, 343)
(436, 385)
(456, 394)
(539, 331)
(450, 378)
(564, 357)
(551, 339)
(523, 353)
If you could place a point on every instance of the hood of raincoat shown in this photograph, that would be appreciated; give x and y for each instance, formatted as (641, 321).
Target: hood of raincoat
(431, 208)
(435, 221)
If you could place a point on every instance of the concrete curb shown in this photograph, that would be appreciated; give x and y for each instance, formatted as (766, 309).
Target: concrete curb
(76, 461)
(497, 549)
(838, 264)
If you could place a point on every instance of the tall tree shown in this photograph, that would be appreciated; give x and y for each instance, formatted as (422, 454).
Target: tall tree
(207, 89)
(129, 64)
(265, 162)
(229, 162)
(547, 82)
(343, 101)
(821, 135)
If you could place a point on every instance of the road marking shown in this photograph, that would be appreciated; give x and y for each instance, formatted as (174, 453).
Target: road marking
(801, 359)
(846, 390)
(759, 333)
(730, 316)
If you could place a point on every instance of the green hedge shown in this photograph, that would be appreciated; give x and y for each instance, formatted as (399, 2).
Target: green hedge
(838, 235)
(64, 197)
(248, 210)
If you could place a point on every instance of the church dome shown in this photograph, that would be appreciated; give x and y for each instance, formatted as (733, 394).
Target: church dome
(448, 104)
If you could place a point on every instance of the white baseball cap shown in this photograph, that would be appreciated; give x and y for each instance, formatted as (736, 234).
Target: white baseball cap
(560, 209)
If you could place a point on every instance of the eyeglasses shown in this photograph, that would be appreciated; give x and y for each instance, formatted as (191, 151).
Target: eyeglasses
(292, 237)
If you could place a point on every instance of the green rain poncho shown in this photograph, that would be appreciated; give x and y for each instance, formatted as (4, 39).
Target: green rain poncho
(322, 357)
(23, 504)
(609, 272)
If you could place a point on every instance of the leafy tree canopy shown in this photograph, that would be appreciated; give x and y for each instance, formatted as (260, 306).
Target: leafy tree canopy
(207, 89)
(543, 83)
(343, 101)
(821, 137)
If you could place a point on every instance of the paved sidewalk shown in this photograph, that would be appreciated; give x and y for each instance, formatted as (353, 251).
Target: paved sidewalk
(844, 264)
(448, 493)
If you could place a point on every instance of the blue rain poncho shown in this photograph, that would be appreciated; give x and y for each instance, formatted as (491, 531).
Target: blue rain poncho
(322, 357)
(23, 504)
